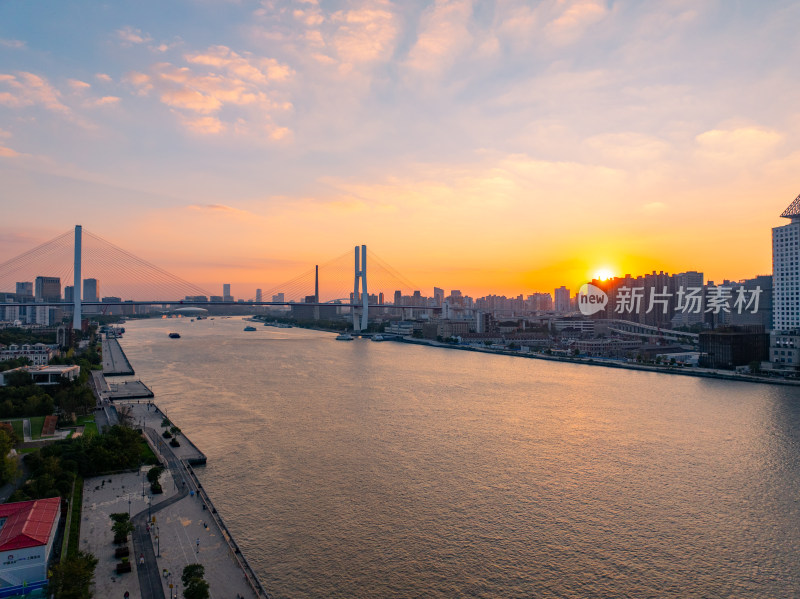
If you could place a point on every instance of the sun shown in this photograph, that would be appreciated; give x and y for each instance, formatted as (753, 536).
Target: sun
(603, 274)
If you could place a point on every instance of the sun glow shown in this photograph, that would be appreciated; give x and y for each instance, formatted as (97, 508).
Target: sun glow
(603, 274)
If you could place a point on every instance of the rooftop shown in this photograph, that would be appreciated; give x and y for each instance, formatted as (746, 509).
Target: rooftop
(27, 523)
(792, 210)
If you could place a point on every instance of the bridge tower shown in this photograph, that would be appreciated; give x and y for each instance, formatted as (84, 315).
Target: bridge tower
(361, 274)
(76, 315)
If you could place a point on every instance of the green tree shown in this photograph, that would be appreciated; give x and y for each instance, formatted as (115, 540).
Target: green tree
(122, 527)
(154, 473)
(191, 572)
(72, 577)
(197, 589)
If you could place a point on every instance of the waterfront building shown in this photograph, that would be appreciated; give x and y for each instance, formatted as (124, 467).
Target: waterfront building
(562, 300)
(729, 347)
(69, 294)
(577, 324)
(279, 298)
(226, 292)
(786, 270)
(784, 349)
(27, 535)
(258, 296)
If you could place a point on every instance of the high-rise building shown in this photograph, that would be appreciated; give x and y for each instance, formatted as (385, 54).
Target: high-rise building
(562, 299)
(69, 294)
(258, 296)
(25, 289)
(47, 289)
(91, 290)
(279, 298)
(226, 292)
(438, 296)
(786, 271)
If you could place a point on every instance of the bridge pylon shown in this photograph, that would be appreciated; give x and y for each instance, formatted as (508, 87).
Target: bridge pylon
(360, 275)
(76, 271)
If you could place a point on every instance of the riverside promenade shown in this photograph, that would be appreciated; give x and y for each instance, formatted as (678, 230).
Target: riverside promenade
(184, 527)
(179, 527)
(188, 527)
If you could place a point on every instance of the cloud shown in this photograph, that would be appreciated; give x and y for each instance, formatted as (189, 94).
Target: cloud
(243, 66)
(141, 81)
(207, 125)
(575, 17)
(241, 84)
(12, 43)
(106, 101)
(219, 209)
(30, 90)
(129, 36)
(365, 34)
(442, 36)
(741, 145)
(103, 77)
(78, 85)
(8, 152)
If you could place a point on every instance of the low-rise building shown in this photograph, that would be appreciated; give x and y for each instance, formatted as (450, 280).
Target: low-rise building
(39, 354)
(27, 532)
(45, 375)
(784, 349)
(607, 347)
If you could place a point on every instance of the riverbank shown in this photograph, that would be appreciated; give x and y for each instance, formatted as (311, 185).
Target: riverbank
(183, 528)
(684, 371)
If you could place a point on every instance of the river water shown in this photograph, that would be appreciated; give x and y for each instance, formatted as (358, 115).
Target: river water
(362, 469)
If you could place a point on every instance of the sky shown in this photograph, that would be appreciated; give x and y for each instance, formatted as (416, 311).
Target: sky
(501, 146)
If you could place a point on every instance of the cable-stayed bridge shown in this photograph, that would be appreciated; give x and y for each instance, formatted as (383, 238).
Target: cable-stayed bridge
(89, 261)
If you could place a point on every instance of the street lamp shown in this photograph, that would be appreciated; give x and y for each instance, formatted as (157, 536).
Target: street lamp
(158, 543)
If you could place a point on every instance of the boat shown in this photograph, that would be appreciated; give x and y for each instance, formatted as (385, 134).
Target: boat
(344, 337)
(249, 328)
(377, 338)
(174, 336)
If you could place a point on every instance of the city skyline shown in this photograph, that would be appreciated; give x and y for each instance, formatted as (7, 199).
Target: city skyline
(491, 147)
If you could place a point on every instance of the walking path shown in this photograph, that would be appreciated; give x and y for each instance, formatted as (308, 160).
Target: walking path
(185, 532)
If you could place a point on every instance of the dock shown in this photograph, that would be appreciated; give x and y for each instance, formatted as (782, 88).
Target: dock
(115, 362)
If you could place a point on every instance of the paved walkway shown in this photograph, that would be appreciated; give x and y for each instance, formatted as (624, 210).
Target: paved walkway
(114, 360)
(187, 533)
(102, 498)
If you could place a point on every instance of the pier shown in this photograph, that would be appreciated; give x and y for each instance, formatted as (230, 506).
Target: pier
(115, 362)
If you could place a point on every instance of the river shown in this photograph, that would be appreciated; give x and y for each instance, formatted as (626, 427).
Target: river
(362, 469)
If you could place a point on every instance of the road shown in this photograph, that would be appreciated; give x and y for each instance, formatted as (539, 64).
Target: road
(149, 575)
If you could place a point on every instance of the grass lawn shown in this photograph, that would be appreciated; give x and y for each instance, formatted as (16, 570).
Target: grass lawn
(27, 450)
(146, 454)
(17, 426)
(90, 429)
(37, 422)
(70, 543)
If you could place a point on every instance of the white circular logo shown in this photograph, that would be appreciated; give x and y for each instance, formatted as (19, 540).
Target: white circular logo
(591, 299)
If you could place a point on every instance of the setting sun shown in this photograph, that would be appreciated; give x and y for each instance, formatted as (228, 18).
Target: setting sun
(603, 274)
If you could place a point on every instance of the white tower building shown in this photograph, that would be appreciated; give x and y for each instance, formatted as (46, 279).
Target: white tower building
(786, 271)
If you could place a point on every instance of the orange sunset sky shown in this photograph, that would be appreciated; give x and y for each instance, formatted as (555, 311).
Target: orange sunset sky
(494, 147)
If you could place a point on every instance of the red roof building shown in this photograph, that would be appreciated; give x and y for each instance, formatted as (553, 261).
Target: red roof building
(27, 530)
